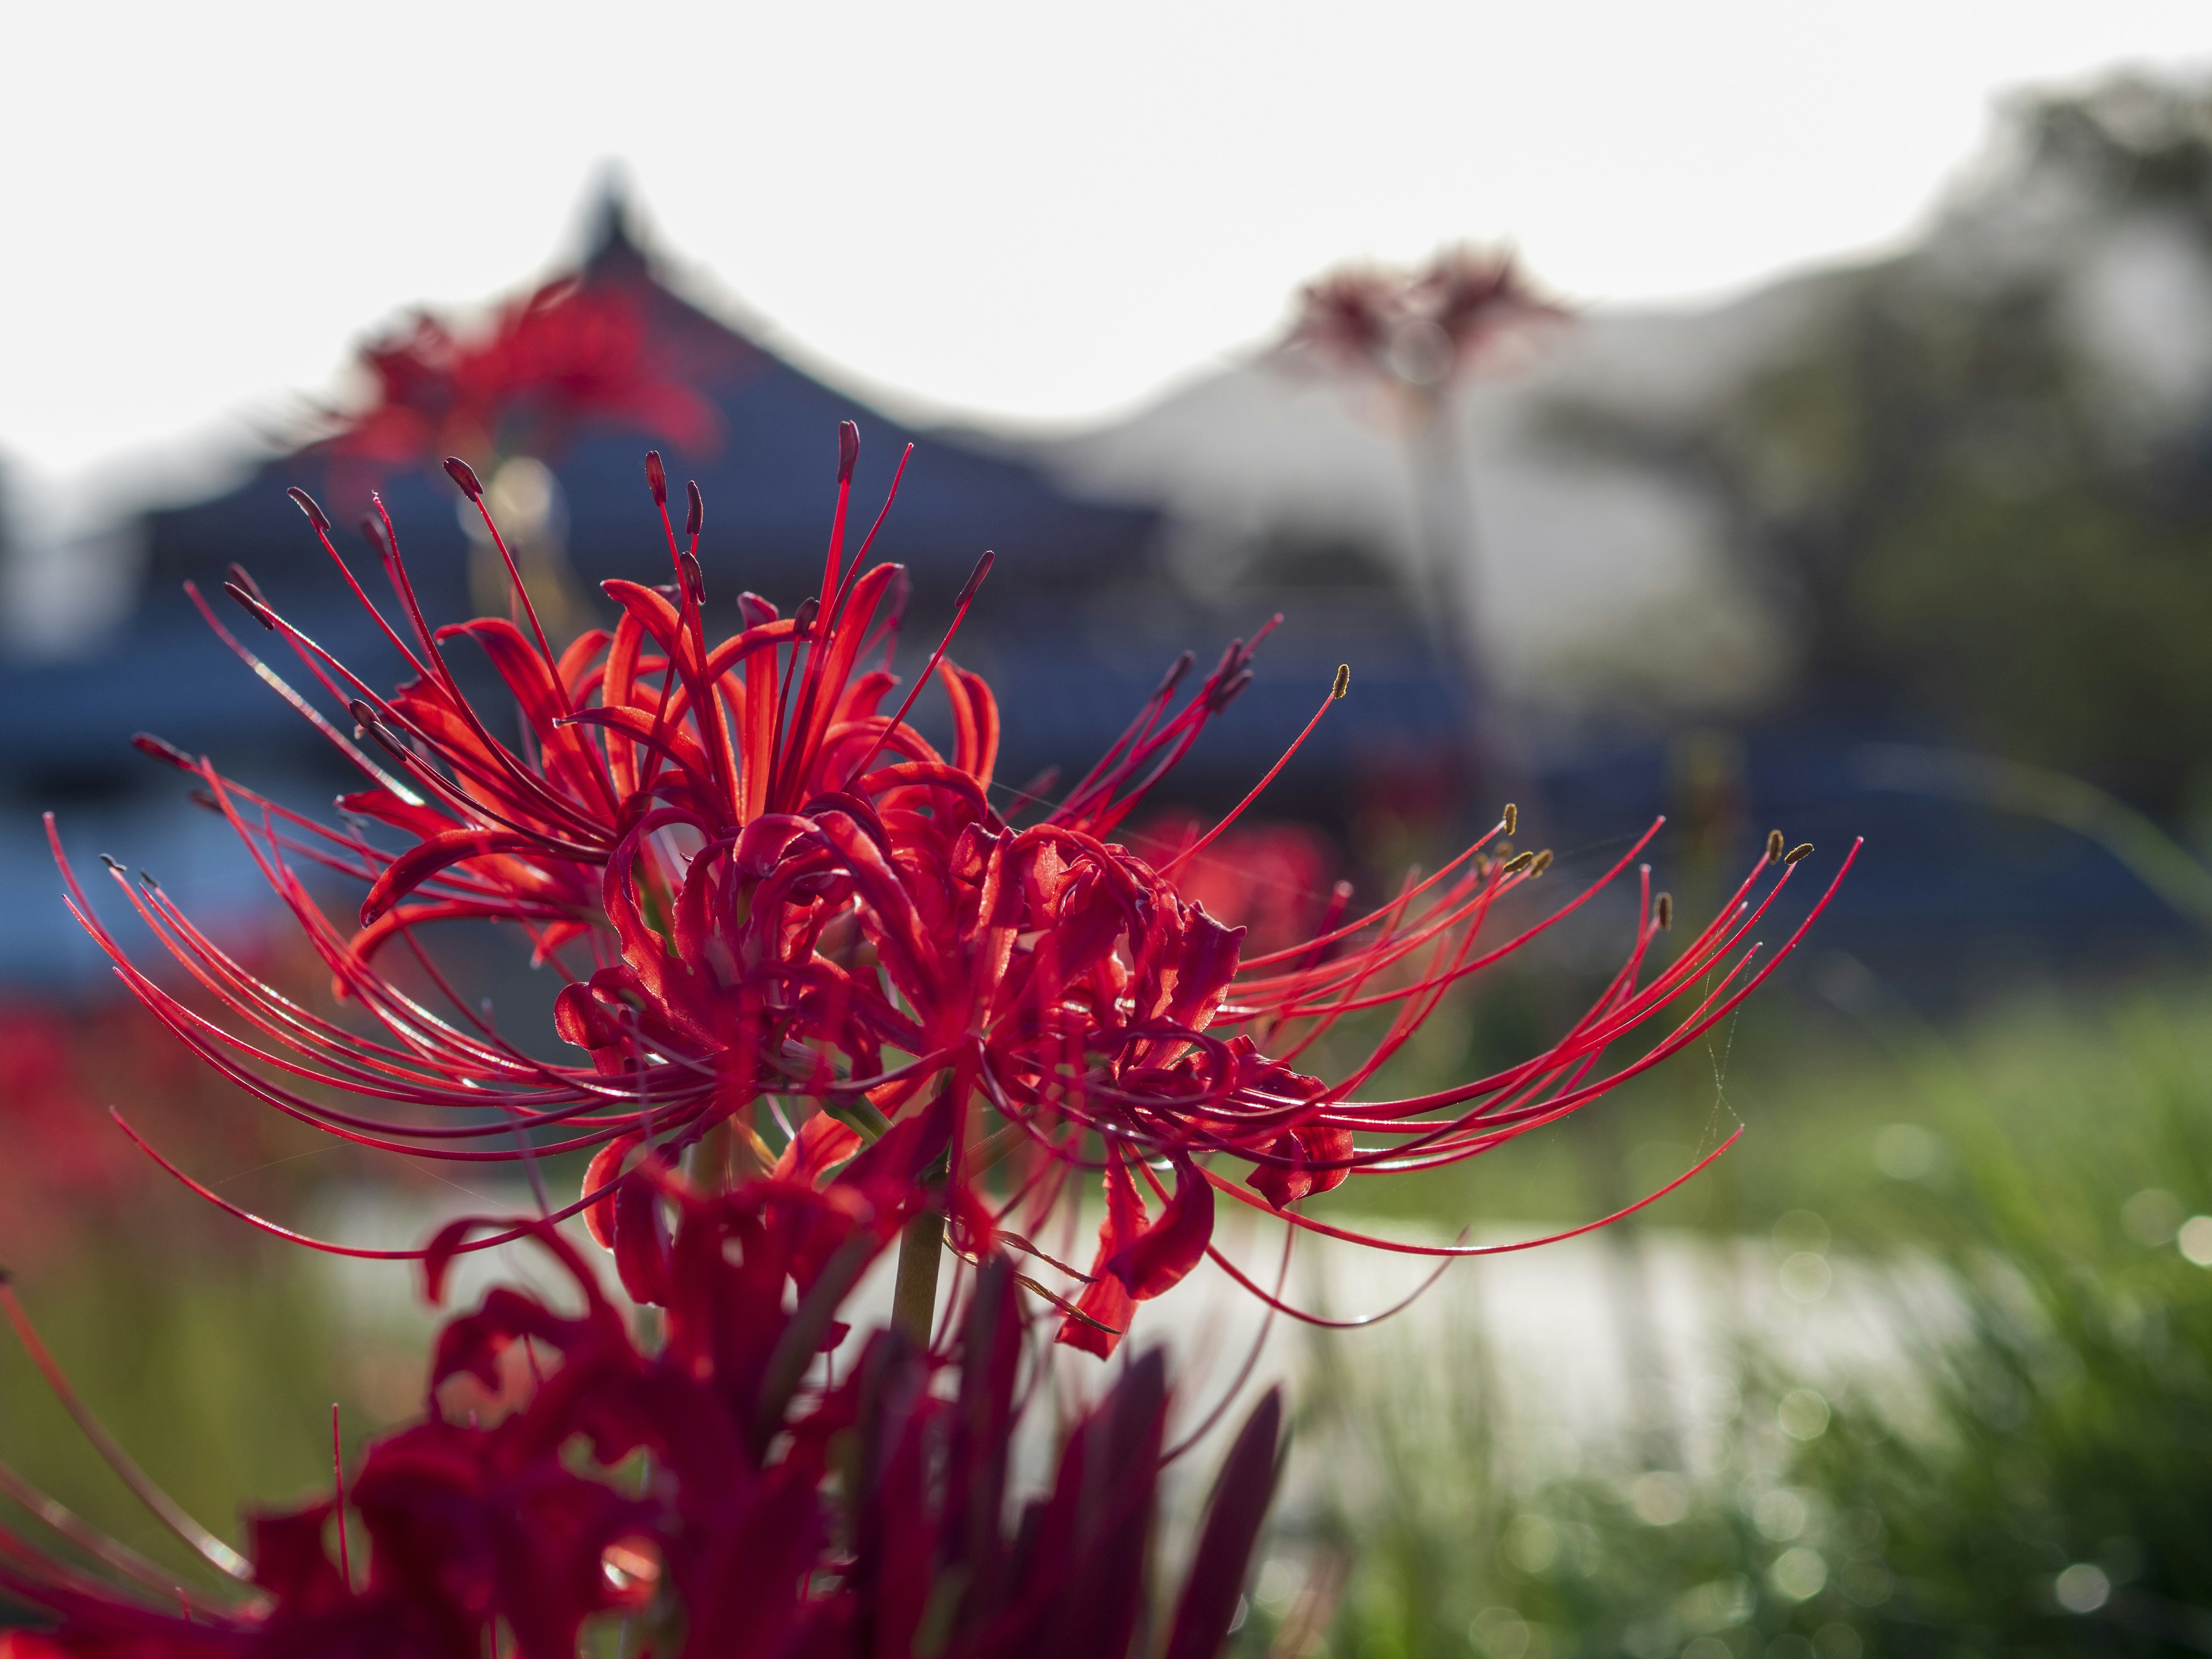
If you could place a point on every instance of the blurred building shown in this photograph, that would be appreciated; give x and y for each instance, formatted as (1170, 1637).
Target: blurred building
(1722, 562)
(1079, 619)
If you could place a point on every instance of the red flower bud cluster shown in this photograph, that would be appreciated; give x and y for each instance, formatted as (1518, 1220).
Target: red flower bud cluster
(729, 1494)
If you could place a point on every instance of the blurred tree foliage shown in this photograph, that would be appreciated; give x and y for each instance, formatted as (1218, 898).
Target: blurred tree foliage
(1973, 502)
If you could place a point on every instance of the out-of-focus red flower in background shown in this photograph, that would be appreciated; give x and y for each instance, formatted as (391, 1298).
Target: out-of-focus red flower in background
(1274, 880)
(574, 351)
(1426, 328)
(62, 1171)
(65, 1176)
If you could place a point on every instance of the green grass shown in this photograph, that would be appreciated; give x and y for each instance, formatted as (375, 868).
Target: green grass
(2061, 1426)
(218, 1383)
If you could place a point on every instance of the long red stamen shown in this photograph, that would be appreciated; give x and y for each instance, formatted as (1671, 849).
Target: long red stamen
(1336, 691)
(465, 476)
(966, 596)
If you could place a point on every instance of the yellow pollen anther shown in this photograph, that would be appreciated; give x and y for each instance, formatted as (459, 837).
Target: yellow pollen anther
(1343, 681)
(1803, 850)
(1519, 862)
(1512, 818)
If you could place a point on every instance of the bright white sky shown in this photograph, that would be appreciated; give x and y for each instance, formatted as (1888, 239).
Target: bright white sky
(1027, 210)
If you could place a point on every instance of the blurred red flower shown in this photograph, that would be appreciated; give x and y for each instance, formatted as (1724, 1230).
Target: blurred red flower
(1271, 880)
(574, 351)
(780, 1509)
(67, 1176)
(1421, 329)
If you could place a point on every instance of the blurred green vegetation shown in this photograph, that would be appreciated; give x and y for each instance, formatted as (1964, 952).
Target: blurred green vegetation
(217, 1374)
(1971, 476)
(2041, 1160)
(2029, 1195)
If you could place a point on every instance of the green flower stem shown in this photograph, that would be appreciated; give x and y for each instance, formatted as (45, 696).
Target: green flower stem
(914, 1301)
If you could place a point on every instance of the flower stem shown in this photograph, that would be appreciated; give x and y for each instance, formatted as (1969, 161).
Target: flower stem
(913, 1300)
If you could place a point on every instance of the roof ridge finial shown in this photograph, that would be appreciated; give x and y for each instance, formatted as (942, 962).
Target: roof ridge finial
(611, 243)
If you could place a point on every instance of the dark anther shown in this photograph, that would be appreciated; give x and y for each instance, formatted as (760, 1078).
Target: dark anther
(1774, 845)
(306, 503)
(1543, 862)
(1512, 817)
(1235, 688)
(1519, 862)
(1343, 683)
(656, 477)
(1665, 910)
(1173, 677)
(802, 618)
(465, 476)
(975, 578)
(254, 608)
(1803, 850)
(849, 449)
(372, 531)
(695, 520)
(160, 749)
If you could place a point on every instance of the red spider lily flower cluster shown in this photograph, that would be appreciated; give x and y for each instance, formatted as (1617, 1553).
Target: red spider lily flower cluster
(1421, 329)
(64, 1181)
(571, 351)
(725, 1495)
(778, 909)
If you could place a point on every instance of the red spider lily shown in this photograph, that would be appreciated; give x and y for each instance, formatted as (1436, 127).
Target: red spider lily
(779, 1510)
(790, 914)
(63, 1181)
(1420, 330)
(574, 351)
